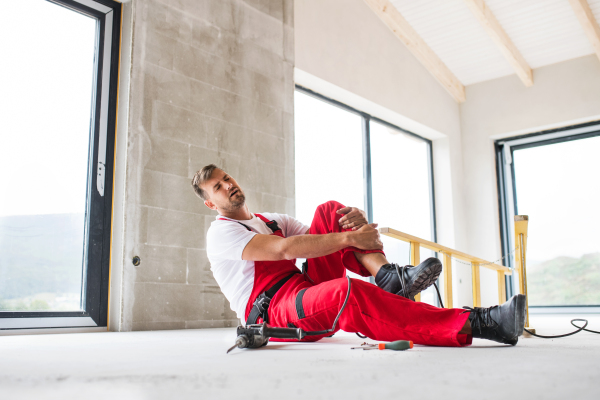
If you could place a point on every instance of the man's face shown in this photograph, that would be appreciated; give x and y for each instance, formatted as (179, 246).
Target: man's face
(224, 193)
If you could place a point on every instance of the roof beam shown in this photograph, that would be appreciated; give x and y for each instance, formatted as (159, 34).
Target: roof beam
(588, 22)
(499, 36)
(407, 35)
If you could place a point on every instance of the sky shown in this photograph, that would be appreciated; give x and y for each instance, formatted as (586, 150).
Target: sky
(46, 78)
(558, 187)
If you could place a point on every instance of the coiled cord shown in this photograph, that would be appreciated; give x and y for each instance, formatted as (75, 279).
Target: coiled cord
(315, 333)
(579, 329)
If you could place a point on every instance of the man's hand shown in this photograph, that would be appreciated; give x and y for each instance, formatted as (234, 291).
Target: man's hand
(367, 238)
(354, 218)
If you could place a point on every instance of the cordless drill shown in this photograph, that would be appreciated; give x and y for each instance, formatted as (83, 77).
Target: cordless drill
(257, 335)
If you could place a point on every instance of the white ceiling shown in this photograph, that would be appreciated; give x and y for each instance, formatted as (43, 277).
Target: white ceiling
(544, 31)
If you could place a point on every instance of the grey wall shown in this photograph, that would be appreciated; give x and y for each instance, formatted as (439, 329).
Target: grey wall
(211, 81)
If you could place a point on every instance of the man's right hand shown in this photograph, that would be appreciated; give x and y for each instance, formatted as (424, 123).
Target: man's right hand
(367, 238)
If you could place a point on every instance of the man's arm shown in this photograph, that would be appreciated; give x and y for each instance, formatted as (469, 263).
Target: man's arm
(273, 248)
(353, 219)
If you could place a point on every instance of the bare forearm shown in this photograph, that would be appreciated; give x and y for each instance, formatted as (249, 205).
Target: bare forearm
(311, 246)
(273, 248)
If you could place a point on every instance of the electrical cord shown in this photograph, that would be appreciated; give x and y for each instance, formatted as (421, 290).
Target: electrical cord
(579, 329)
(315, 333)
(402, 283)
(402, 286)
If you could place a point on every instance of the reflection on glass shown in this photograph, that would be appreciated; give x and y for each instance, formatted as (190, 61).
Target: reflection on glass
(44, 144)
(401, 199)
(557, 185)
(329, 160)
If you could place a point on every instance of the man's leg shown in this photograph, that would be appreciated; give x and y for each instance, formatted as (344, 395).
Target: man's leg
(371, 261)
(392, 278)
(334, 265)
(372, 312)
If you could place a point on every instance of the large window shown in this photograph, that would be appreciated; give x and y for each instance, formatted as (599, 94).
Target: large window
(333, 169)
(345, 155)
(552, 178)
(58, 105)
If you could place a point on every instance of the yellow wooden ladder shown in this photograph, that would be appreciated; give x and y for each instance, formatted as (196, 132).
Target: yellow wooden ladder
(477, 263)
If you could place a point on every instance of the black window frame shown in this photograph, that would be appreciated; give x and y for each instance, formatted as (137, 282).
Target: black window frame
(366, 140)
(507, 193)
(98, 221)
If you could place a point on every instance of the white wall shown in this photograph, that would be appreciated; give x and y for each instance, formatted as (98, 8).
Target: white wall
(563, 94)
(344, 51)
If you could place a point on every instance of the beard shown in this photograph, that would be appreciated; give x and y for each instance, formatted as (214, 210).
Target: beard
(236, 202)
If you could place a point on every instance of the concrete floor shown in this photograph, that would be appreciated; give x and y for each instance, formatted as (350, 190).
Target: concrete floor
(192, 364)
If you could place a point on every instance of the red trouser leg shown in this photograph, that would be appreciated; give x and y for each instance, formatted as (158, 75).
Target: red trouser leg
(334, 265)
(370, 310)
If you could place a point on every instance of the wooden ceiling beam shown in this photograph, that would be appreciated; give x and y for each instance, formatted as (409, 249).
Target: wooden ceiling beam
(588, 22)
(489, 22)
(407, 35)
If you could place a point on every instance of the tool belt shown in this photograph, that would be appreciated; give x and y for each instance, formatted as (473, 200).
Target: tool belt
(261, 304)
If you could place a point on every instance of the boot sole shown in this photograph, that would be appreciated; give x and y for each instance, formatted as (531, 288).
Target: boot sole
(519, 319)
(520, 314)
(432, 269)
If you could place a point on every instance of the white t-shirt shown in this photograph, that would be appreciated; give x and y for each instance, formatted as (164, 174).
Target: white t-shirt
(225, 242)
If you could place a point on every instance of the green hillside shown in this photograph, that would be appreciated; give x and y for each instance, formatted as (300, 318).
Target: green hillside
(565, 281)
(40, 260)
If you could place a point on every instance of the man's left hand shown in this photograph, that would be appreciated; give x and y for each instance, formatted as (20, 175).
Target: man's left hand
(353, 219)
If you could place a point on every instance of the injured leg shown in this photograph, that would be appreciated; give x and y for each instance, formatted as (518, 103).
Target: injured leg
(371, 261)
(405, 281)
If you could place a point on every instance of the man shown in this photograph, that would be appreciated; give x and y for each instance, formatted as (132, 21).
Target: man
(252, 258)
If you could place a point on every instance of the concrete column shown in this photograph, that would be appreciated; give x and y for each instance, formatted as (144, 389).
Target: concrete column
(211, 82)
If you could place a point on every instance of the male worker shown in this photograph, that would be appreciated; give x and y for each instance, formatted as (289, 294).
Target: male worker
(252, 258)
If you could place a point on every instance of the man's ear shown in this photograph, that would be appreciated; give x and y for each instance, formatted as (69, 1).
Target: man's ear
(210, 205)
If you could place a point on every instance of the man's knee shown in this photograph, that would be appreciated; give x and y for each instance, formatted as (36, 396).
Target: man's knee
(329, 206)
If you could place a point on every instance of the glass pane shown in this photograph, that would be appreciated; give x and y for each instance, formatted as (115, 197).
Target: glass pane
(44, 145)
(401, 198)
(329, 161)
(557, 185)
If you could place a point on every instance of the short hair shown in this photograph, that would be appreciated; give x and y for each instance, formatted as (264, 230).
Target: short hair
(200, 178)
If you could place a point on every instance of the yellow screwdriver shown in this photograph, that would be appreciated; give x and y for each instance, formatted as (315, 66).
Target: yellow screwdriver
(397, 345)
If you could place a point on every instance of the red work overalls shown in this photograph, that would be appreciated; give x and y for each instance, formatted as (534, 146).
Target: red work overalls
(311, 301)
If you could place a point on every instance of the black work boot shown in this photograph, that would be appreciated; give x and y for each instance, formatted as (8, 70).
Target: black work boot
(503, 324)
(407, 281)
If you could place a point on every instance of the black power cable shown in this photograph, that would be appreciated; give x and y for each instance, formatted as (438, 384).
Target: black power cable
(579, 329)
(439, 299)
(315, 333)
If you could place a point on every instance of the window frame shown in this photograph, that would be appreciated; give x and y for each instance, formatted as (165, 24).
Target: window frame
(98, 221)
(366, 134)
(507, 196)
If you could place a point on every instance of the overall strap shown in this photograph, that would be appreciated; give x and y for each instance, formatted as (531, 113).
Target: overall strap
(271, 224)
(261, 304)
(245, 226)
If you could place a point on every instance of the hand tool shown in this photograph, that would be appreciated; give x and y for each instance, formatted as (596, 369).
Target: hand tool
(397, 345)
